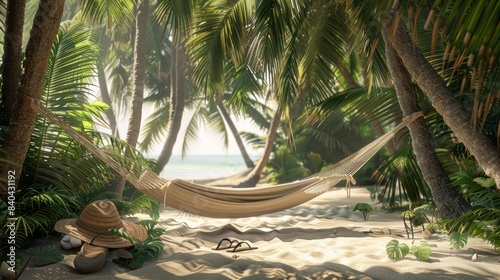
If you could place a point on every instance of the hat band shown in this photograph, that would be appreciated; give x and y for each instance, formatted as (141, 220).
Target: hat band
(99, 229)
(102, 233)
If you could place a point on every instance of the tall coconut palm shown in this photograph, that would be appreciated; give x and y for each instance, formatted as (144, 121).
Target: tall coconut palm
(448, 201)
(448, 209)
(55, 180)
(175, 14)
(365, 11)
(469, 42)
(17, 138)
(139, 73)
(454, 114)
(239, 142)
(275, 46)
(12, 56)
(177, 101)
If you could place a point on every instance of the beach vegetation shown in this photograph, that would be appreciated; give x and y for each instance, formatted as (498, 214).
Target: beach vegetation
(458, 240)
(413, 218)
(483, 220)
(141, 252)
(284, 166)
(59, 176)
(316, 148)
(422, 251)
(45, 255)
(364, 208)
(396, 250)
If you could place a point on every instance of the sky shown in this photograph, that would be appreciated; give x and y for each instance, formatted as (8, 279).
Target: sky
(207, 143)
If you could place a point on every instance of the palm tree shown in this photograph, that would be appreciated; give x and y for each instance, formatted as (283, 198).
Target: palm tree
(177, 101)
(274, 48)
(449, 202)
(12, 56)
(279, 59)
(176, 15)
(59, 176)
(453, 112)
(239, 142)
(17, 137)
(456, 22)
(139, 73)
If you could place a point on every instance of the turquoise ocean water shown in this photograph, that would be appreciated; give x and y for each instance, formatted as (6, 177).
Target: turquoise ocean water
(204, 166)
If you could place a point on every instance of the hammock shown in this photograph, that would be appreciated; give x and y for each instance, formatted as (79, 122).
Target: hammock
(223, 202)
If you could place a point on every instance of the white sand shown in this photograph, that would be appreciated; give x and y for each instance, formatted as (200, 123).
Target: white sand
(322, 239)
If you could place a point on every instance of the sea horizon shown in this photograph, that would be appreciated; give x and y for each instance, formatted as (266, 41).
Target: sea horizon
(204, 166)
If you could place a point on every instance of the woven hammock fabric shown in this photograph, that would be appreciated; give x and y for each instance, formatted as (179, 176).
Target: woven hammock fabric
(224, 202)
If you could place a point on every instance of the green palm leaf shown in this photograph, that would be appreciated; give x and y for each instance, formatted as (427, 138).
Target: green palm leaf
(107, 11)
(220, 32)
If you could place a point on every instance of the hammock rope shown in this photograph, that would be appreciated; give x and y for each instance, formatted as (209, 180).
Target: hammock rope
(223, 202)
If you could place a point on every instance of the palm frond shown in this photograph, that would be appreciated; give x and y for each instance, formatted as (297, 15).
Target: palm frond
(192, 129)
(175, 14)
(108, 11)
(220, 32)
(154, 130)
(327, 33)
(400, 179)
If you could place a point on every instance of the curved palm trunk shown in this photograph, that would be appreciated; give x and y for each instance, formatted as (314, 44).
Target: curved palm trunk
(110, 114)
(347, 76)
(442, 99)
(139, 72)
(253, 178)
(449, 202)
(177, 100)
(12, 56)
(248, 161)
(22, 123)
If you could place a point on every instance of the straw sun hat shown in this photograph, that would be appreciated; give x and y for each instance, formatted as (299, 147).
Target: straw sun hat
(94, 222)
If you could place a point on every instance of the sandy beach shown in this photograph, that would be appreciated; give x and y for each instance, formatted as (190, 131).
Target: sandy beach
(321, 239)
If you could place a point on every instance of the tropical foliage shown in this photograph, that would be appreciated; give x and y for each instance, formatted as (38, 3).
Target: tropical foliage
(55, 182)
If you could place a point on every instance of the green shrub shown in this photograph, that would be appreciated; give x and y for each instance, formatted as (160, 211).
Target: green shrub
(365, 208)
(141, 252)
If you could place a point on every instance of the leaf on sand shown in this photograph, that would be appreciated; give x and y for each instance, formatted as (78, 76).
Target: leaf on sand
(397, 251)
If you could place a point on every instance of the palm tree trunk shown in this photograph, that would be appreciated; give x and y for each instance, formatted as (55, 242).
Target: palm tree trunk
(248, 161)
(12, 56)
(22, 123)
(177, 98)
(351, 83)
(139, 72)
(449, 202)
(253, 178)
(110, 114)
(442, 99)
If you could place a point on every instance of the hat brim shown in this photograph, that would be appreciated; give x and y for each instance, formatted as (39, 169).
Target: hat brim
(70, 227)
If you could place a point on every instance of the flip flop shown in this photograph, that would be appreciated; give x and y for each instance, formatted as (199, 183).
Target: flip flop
(240, 248)
(232, 244)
